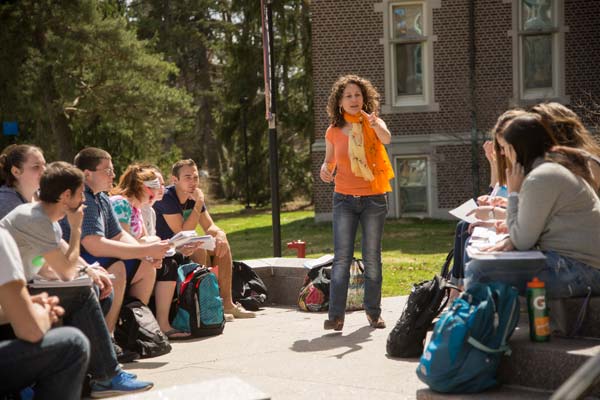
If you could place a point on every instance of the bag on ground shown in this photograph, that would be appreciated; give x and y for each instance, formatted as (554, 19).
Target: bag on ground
(356, 286)
(247, 288)
(199, 305)
(137, 330)
(314, 294)
(426, 300)
(469, 340)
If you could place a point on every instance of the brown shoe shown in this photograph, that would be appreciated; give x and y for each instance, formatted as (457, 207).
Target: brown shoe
(337, 324)
(377, 323)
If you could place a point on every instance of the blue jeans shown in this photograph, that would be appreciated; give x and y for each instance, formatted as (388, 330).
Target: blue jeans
(563, 276)
(82, 310)
(56, 364)
(348, 212)
(461, 238)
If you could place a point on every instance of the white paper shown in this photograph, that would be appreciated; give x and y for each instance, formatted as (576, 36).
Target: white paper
(476, 254)
(82, 280)
(461, 211)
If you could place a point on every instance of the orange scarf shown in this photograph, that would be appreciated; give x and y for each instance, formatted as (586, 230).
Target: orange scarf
(377, 159)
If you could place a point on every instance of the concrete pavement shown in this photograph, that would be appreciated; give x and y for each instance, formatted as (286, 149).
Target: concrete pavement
(285, 354)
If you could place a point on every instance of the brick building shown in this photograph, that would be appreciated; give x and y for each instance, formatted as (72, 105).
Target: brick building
(445, 70)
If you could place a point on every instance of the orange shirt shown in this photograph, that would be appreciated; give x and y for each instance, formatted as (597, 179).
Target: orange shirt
(345, 181)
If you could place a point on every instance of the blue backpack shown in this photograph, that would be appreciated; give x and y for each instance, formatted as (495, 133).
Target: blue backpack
(199, 305)
(469, 340)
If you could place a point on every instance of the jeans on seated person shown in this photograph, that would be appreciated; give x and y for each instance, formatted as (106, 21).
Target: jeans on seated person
(563, 276)
(348, 211)
(82, 311)
(57, 364)
(461, 238)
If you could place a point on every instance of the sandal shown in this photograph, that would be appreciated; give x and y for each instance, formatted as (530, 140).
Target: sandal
(176, 334)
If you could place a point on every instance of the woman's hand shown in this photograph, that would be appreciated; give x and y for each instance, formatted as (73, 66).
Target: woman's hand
(482, 213)
(379, 126)
(485, 224)
(503, 245)
(516, 175)
(501, 227)
(490, 152)
(326, 174)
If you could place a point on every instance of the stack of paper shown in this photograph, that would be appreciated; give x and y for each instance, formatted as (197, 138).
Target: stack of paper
(182, 238)
(82, 280)
(462, 211)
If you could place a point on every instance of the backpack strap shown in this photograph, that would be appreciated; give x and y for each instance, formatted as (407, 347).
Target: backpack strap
(480, 346)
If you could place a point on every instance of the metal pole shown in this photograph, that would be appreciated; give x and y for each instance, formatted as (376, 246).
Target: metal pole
(243, 102)
(273, 154)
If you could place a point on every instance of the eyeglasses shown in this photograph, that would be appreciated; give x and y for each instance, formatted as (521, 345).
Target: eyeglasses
(107, 171)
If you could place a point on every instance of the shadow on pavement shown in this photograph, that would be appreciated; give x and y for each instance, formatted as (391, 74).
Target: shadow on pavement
(335, 340)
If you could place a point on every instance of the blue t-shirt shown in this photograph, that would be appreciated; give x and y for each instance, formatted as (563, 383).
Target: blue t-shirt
(170, 205)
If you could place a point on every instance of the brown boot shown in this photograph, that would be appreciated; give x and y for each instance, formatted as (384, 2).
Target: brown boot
(377, 323)
(337, 324)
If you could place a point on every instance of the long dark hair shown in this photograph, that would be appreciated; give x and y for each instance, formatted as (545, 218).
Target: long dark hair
(530, 138)
(575, 160)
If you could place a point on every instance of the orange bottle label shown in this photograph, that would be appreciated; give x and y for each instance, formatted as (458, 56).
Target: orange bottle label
(542, 326)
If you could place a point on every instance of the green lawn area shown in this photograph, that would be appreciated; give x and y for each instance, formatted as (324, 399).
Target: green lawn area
(413, 249)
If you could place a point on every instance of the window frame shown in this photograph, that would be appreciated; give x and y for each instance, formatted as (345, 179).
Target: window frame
(428, 200)
(521, 95)
(392, 103)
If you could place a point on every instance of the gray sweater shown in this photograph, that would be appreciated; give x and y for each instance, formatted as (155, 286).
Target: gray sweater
(556, 210)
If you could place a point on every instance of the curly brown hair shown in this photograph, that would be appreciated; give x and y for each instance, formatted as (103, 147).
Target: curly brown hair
(369, 94)
(566, 127)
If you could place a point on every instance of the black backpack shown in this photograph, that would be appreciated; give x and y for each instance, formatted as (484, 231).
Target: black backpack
(137, 330)
(426, 300)
(247, 288)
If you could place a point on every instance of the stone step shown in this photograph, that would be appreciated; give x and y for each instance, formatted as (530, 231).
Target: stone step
(282, 276)
(504, 392)
(546, 365)
(564, 314)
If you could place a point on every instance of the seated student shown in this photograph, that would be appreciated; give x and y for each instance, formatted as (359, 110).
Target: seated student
(182, 208)
(36, 231)
(552, 207)
(129, 197)
(54, 360)
(103, 240)
(21, 167)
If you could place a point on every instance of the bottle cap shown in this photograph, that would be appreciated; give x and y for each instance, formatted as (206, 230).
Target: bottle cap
(535, 283)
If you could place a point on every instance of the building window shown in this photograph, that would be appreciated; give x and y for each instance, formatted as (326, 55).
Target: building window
(408, 55)
(539, 50)
(412, 182)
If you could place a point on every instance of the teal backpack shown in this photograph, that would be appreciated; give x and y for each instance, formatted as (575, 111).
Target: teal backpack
(469, 340)
(199, 305)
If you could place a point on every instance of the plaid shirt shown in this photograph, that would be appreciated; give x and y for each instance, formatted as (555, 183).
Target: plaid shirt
(98, 217)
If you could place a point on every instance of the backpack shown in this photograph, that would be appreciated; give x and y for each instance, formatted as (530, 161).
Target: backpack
(314, 293)
(426, 300)
(247, 288)
(199, 305)
(137, 330)
(469, 340)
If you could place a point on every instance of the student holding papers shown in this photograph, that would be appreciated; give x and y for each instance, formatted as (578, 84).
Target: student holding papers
(182, 209)
(552, 207)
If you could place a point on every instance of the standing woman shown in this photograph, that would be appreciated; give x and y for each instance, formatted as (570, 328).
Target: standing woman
(354, 148)
(21, 168)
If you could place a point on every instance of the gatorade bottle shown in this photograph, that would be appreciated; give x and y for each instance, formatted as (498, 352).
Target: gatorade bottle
(539, 322)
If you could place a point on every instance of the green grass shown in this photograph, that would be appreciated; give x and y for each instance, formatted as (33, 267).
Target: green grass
(413, 249)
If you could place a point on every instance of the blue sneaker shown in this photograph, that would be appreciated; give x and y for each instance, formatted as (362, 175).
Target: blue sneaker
(120, 384)
(129, 375)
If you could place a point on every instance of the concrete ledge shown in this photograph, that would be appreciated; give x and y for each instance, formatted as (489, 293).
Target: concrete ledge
(544, 365)
(564, 313)
(214, 389)
(283, 276)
